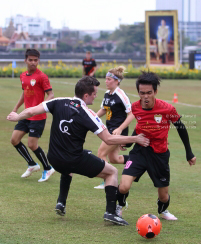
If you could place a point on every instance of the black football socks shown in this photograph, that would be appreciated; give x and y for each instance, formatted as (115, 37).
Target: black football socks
(111, 192)
(163, 206)
(42, 157)
(121, 198)
(22, 150)
(65, 182)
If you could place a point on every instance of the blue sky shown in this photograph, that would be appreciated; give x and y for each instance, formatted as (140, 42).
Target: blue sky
(80, 14)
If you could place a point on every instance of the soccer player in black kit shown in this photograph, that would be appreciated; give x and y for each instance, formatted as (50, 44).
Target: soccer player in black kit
(71, 121)
(89, 65)
(116, 106)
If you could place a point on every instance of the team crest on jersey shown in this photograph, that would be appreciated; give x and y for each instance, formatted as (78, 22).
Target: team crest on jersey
(158, 118)
(33, 82)
(112, 102)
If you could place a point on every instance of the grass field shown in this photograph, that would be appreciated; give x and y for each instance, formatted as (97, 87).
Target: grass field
(27, 207)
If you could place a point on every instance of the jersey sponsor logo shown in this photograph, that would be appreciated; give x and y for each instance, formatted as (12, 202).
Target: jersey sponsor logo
(75, 104)
(108, 112)
(33, 82)
(158, 118)
(63, 127)
(112, 102)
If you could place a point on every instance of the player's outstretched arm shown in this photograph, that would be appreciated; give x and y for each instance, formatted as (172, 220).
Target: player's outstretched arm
(124, 125)
(27, 113)
(182, 131)
(118, 139)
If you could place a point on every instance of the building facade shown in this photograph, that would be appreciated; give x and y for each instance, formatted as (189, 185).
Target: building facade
(35, 26)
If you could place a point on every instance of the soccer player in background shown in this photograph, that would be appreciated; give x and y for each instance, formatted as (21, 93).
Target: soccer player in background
(34, 85)
(89, 65)
(71, 122)
(116, 105)
(153, 120)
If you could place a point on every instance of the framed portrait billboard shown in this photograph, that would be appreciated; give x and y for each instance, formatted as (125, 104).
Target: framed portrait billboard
(161, 34)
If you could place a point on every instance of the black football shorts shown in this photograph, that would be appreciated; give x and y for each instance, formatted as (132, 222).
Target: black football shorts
(88, 165)
(143, 159)
(124, 132)
(33, 127)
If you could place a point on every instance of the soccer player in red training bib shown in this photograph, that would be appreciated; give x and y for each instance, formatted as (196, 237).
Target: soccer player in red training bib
(34, 85)
(153, 120)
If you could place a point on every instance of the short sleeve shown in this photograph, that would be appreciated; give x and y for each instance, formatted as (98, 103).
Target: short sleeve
(93, 122)
(125, 100)
(21, 82)
(45, 83)
(102, 103)
(173, 115)
(94, 63)
(49, 105)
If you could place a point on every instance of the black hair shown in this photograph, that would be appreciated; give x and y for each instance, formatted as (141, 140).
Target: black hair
(32, 52)
(148, 78)
(85, 86)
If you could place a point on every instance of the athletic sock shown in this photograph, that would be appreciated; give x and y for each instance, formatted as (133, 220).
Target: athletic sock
(121, 198)
(22, 150)
(126, 157)
(163, 206)
(65, 182)
(42, 157)
(111, 192)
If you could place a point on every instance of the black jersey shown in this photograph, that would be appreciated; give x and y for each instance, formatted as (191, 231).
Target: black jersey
(88, 65)
(71, 122)
(117, 105)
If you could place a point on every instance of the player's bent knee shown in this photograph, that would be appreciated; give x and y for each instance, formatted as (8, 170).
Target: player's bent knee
(14, 141)
(32, 146)
(124, 188)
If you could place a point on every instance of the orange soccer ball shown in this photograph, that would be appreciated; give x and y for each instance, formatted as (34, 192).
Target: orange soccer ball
(148, 226)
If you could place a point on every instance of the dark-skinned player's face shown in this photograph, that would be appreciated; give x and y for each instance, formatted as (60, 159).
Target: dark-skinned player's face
(147, 96)
(32, 62)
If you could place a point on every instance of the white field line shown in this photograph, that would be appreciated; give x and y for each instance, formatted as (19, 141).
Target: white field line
(133, 95)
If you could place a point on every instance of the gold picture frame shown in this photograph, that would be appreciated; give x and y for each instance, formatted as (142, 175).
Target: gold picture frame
(161, 52)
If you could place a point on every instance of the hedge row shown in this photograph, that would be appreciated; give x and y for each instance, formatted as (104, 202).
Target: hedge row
(63, 70)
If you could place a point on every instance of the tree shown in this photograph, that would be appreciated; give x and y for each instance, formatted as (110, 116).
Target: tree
(128, 36)
(87, 38)
(104, 35)
(109, 46)
(64, 47)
